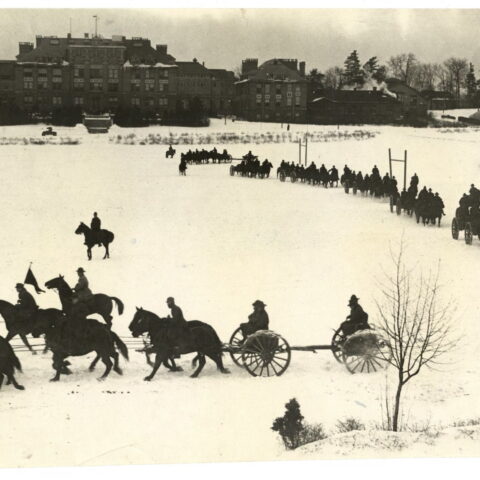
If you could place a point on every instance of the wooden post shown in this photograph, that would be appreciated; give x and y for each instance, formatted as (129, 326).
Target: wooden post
(390, 161)
(306, 149)
(405, 171)
(300, 151)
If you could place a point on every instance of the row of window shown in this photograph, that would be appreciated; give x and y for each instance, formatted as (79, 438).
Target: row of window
(266, 116)
(96, 85)
(149, 102)
(278, 89)
(278, 101)
(114, 73)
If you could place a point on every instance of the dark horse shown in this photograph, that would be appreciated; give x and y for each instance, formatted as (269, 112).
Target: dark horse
(67, 337)
(9, 362)
(182, 168)
(170, 152)
(203, 340)
(100, 303)
(103, 236)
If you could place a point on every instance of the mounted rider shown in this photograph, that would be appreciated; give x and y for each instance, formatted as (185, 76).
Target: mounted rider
(178, 328)
(257, 320)
(82, 291)
(357, 320)
(96, 226)
(26, 305)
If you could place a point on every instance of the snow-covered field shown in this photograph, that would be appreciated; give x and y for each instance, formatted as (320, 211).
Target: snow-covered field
(216, 243)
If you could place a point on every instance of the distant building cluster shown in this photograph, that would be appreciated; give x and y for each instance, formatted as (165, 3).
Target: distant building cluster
(98, 75)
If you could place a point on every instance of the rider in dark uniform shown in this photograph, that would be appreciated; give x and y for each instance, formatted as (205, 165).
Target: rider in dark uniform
(258, 320)
(96, 225)
(26, 305)
(178, 328)
(357, 320)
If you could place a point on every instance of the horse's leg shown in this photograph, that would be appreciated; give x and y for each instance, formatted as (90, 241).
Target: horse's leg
(11, 379)
(9, 336)
(1, 380)
(217, 358)
(108, 366)
(171, 365)
(91, 368)
(25, 341)
(116, 366)
(158, 362)
(89, 253)
(201, 364)
(57, 366)
(107, 253)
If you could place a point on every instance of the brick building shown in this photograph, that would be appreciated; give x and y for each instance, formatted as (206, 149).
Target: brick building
(413, 103)
(95, 74)
(276, 91)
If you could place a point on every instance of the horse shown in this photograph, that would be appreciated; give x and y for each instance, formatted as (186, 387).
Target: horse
(66, 337)
(9, 362)
(170, 152)
(182, 168)
(103, 236)
(203, 340)
(100, 303)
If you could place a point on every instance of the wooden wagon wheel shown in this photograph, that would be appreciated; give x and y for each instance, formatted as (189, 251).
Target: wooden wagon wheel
(236, 342)
(468, 233)
(375, 359)
(266, 354)
(293, 177)
(232, 170)
(337, 341)
(455, 229)
(398, 207)
(282, 176)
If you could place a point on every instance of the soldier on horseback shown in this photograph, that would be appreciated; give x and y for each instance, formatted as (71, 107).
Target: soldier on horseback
(82, 291)
(96, 226)
(357, 320)
(26, 305)
(178, 327)
(258, 320)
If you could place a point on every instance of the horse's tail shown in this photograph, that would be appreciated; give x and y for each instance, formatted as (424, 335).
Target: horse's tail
(119, 304)
(120, 345)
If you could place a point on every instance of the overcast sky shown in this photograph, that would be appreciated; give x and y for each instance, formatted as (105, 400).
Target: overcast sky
(222, 38)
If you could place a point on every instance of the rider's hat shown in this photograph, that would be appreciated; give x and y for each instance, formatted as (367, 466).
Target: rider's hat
(259, 302)
(19, 285)
(80, 270)
(353, 299)
(170, 299)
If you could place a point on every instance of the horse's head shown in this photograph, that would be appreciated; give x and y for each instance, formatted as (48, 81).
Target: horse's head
(140, 322)
(55, 282)
(81, 228)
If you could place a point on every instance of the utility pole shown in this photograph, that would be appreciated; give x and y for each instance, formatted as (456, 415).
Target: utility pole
(96, 22)
(404, 161)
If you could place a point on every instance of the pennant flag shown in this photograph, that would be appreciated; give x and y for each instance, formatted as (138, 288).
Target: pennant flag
(31, 280)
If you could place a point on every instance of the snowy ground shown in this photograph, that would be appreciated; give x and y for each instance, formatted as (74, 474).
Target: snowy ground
(217, 243)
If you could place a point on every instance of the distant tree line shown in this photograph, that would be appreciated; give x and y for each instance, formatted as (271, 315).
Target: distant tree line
(455, 75)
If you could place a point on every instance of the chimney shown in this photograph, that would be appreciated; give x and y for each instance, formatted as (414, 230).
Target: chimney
(249, 64)
(203, 64)
(24, 47)
(302, 69)
(69, 35)
(85, 35)
(162, 49)
(195, 60)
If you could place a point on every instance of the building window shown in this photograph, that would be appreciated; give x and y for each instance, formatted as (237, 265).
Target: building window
(56, 85)
(259, 99)
(289, 101)
(28, 100)
(28, 84)
(96, 84)
(137, 75)
(95, 72)
(78, 84)
(28, 73)
(42, 84)
(135, 101)
(278, 90)
(57, 100)
(135, 86)
(149, 85)
(113, 86)
(149, 102)
(267, 99)
(161, 87)
(57, 72)
(297, 101)
(297, 91)
(42, 72)
(79, 72)
(267, 88)
(163, 101)
(78, 100)
(113, 100)
(165, 73)
(149, 73)
(113, 73)
(289, 94)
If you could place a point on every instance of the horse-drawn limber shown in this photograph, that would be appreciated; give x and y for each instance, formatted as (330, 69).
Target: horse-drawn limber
(267, 354)
(470, 225)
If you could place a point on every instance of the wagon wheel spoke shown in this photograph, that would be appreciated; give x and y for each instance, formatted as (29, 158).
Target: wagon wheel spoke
(353, 364)
(268, 369)
(371, 363)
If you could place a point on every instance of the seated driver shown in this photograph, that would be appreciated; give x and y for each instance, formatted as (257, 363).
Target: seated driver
(258, 320)
(357, 320)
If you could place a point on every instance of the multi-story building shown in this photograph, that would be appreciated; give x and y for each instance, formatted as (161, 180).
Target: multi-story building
(96, 74)
(194, 81)
(223, 91)
(276, 91)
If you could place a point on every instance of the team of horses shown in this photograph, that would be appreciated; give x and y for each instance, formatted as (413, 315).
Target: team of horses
(311, 174)
(202, 156)
(252, 168)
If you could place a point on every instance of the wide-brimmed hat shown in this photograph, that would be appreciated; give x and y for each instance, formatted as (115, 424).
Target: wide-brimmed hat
(259, 302)
(19, 285)
(353, 299)
(80, 270)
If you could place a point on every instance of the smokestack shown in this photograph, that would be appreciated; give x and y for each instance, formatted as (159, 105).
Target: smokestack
(24, 47)
(302, 68)
(85, 35)
(162, 49)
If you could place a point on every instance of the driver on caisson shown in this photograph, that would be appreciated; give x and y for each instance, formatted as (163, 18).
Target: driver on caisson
(357, 320)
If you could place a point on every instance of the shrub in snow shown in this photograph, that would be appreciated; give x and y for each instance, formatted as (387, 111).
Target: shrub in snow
(350, 424)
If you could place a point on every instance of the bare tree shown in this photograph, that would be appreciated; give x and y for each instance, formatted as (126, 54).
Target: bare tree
(333, 78)
(458, 68)
(424, 76)
(403, 67)
(442, 77)
(415, 324)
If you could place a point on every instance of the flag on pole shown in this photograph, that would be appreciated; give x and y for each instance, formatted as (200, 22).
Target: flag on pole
(31, 280)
